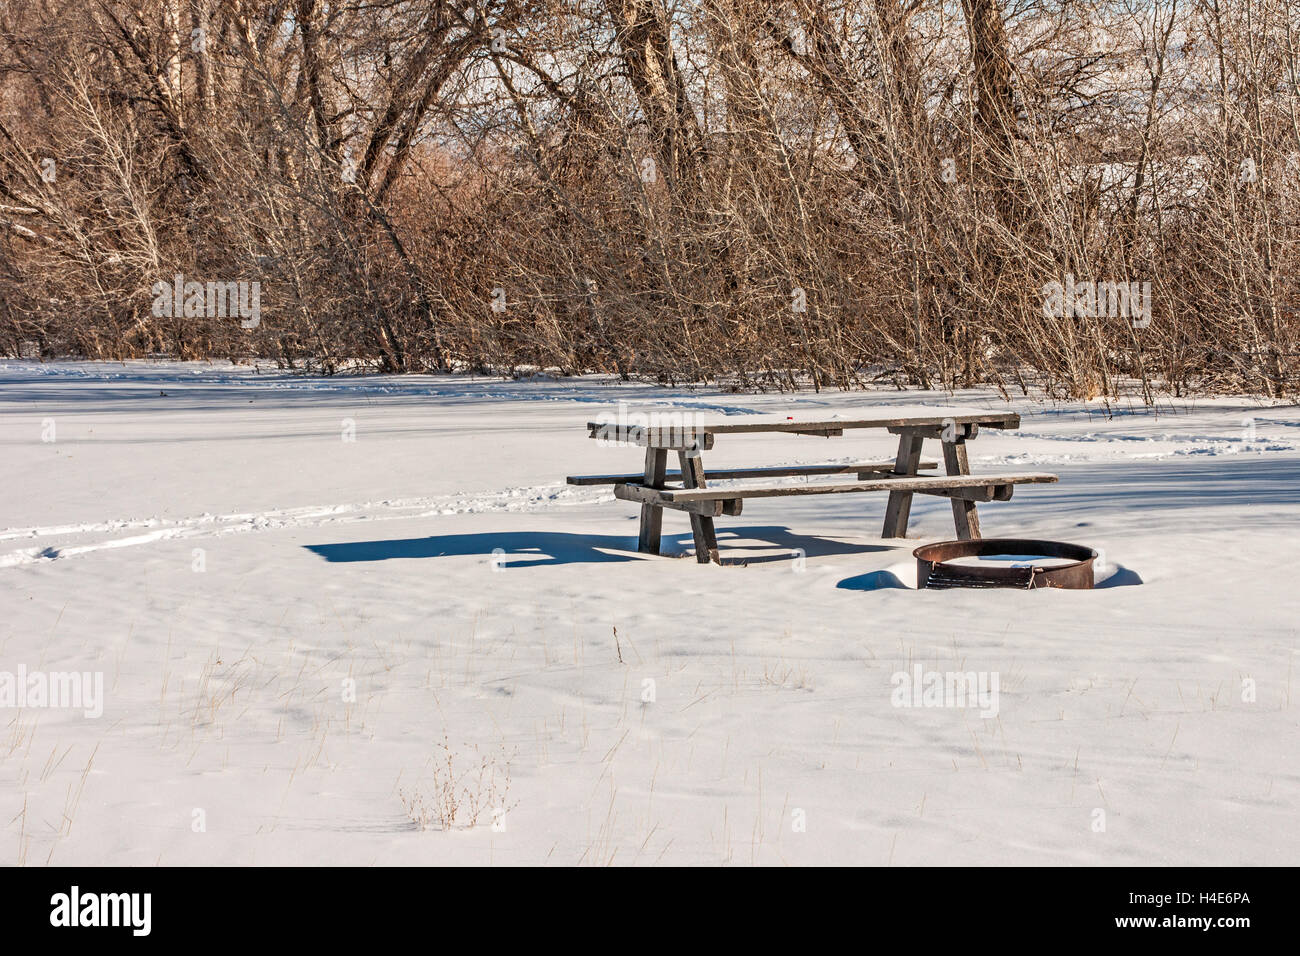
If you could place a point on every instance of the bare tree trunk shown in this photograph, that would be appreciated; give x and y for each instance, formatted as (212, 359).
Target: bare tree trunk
(641, 29)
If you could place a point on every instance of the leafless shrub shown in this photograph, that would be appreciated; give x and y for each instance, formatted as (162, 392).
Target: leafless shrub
(765, 194)
(460, 790)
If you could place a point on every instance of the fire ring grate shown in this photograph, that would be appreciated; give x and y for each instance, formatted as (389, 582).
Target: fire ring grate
(1027, 564)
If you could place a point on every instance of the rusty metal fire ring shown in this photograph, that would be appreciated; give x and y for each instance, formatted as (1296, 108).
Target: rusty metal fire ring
(934, 570)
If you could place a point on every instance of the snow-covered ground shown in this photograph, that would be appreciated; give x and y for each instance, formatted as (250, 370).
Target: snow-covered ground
(306, 597)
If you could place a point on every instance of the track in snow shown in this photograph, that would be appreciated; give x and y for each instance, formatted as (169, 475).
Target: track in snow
(535, 498)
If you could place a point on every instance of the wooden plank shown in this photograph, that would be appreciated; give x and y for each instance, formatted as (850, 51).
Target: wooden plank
(915, 485)
(964, 513)
(780, 471)
(982, 493)
(671, 438)
(652, 515)
(706, 539)
(659, 498)
(899, 507)
(731, 506)
(947, 431)
(989, 419)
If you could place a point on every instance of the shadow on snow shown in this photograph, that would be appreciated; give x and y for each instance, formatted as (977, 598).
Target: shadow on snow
(522, 549)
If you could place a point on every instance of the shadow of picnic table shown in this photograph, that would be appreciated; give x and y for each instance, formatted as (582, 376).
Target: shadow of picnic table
(522, 549)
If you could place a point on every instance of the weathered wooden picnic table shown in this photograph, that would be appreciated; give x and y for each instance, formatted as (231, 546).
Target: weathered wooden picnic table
(692, 493)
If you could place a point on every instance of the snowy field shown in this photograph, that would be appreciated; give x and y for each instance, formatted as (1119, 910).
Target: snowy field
(306, 598)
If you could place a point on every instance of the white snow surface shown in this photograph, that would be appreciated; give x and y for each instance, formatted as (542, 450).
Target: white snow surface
(295, 631)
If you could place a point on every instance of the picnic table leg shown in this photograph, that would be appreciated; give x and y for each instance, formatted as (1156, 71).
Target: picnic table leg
(706, 540)
(899, 507)
(964, 515)
(652, 516)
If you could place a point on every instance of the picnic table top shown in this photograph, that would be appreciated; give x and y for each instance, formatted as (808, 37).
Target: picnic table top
(897, 416)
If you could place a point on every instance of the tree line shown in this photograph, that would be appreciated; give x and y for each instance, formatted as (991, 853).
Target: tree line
(760, 194)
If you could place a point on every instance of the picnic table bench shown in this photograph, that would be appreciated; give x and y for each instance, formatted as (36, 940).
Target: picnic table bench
(692, 492)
